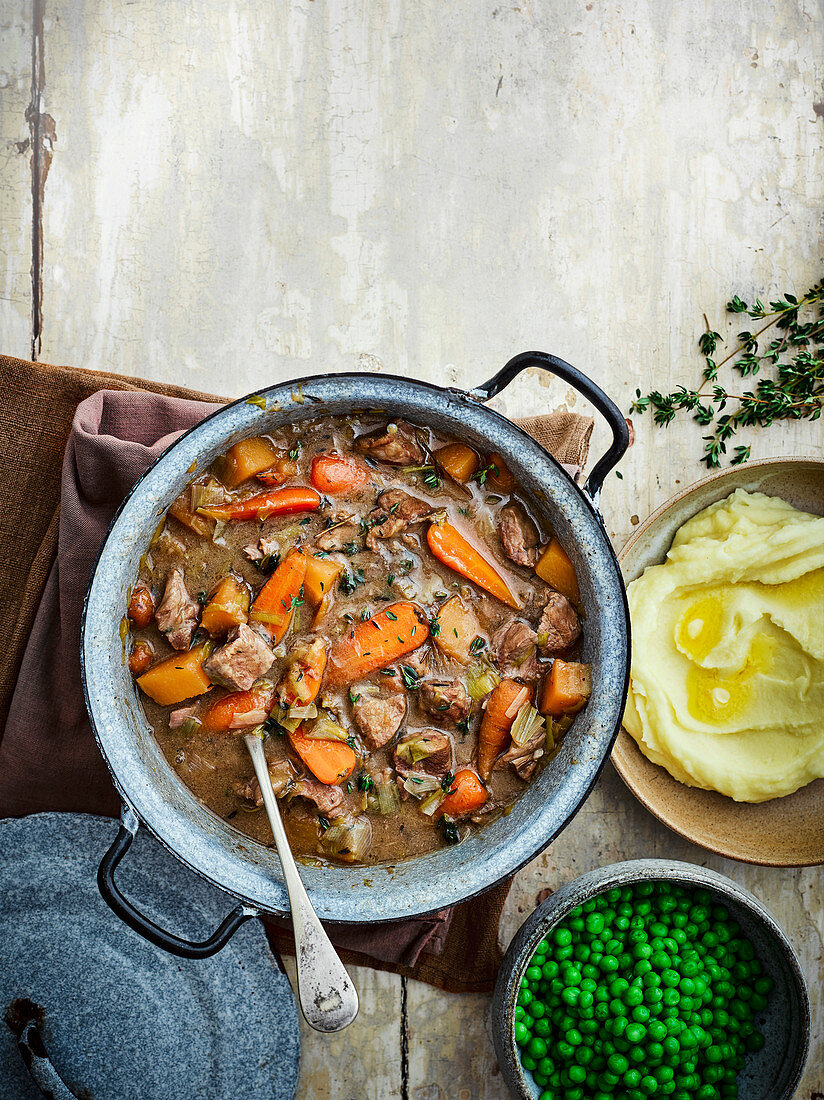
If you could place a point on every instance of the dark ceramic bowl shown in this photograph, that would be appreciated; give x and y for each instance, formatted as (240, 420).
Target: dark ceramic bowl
(770, 1074)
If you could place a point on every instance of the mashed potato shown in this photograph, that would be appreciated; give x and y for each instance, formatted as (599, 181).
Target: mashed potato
(727, 675)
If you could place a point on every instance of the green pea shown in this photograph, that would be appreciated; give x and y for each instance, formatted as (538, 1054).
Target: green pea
(521, 1034)
(533, 974)
(562, 936)
(537, 1047)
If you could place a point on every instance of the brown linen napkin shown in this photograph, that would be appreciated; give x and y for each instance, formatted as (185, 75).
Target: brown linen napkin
(51, 524)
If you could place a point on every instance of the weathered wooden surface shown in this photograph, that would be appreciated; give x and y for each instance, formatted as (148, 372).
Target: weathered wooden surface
(244, 191)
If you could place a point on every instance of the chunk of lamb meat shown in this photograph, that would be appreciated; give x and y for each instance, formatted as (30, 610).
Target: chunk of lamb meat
(264, 547)
(560, 623)
(395, 511)
(177, 614)
(395, 444)
(179, 716)
(438, 761)
(524, 759)
(327, 799)
(512, 649)
(519, 535)
(243, 659)
(445, 700)
(378, 718)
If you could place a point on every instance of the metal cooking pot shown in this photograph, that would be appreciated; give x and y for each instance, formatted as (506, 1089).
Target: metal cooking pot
(153, 794)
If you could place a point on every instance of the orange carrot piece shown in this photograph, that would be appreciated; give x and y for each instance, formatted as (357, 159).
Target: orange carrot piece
(141, 606)
(338, 474)
(247, 458)
(321, 574)
(227, 607)
(274, 502)
(177, 678)
(466, 795)
(502, 706)
(181, 510)
(557, 570)
(226, 713)
(565, 689)
(329, 761)
(451, 548)
(278, 472)
(503, 479)
(300, 683)
(274, 605)
(140, 659)
(376, 643)
(459, 460)
(320, 613)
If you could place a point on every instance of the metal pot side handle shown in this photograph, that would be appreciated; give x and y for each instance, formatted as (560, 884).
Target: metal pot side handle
(594, 394)
(115, 899)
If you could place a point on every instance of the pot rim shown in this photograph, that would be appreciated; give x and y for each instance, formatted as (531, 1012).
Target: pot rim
(469, 399)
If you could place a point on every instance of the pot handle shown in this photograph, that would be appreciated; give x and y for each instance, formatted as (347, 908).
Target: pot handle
(115, 899)
(594, 394)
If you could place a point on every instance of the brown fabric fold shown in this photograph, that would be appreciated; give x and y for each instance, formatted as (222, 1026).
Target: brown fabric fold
(72, 442)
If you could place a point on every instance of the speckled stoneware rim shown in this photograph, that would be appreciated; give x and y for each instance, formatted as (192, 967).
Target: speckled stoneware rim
(780, 833)
(771, 1074)
(250, 871)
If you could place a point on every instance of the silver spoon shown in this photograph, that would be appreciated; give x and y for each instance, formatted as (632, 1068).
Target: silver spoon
(327, 997)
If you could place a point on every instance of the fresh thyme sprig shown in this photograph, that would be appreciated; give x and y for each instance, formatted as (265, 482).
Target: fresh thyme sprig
(796, 392)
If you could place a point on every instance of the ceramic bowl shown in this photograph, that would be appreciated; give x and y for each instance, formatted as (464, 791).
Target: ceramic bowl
(784, 832)
(770, 1074)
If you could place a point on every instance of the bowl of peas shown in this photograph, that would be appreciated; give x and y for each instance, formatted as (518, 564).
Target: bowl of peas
(651, 978)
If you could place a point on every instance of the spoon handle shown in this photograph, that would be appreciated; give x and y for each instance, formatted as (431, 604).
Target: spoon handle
(328, 999)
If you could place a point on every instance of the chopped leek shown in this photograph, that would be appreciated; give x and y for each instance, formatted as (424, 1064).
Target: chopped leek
(307, 711)
(421, 784)
(415, 749)
(282, 719)
(527, 723)
(388, 796)
(207, 494)
(190, 725)
(480, 680)
(432, 801)
(326, 729)
(348, 839)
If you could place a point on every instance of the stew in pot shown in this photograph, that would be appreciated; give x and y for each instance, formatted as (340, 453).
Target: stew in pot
(383, 607)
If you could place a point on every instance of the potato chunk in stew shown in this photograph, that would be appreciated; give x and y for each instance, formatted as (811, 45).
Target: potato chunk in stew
(390, 611)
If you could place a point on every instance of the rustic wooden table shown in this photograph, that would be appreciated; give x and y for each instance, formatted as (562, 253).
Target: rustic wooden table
(235, 192)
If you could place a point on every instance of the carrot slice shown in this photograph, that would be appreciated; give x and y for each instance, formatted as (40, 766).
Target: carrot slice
(227, 713)
(501, 709)
(329, 761)
(503, 479)
(321, 574)
(338, 474)
(274, 502)
(247, 458)
(376, 643)
(459, 460)
(565, 689)
(278, 472)
(300, 683)
(177, 678)
(451, 548)
(466, 795)
(141, 606)
(275, 604)
(557, 570)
